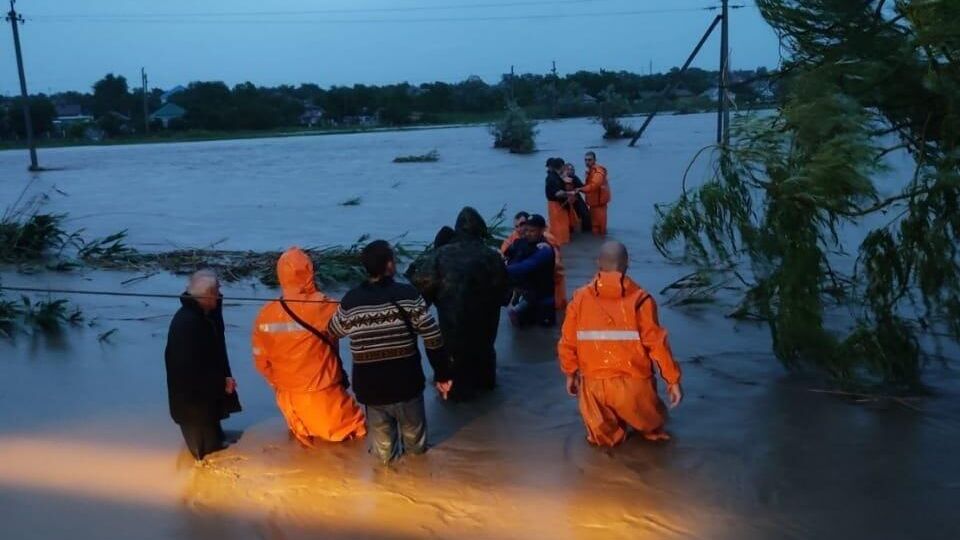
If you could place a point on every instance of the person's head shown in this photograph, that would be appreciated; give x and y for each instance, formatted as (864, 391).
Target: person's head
(534, 227)
(204, 287)
(590, 159)
(444, 236)
(613, 257)
(295, 272)
(558, 164)
(377, 259)
(569, 170)
(520, 219)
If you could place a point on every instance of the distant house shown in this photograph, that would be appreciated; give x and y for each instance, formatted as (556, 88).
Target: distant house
(587, 99)
(170, 111)
(165, 97)
(69, 109)
(311, 116)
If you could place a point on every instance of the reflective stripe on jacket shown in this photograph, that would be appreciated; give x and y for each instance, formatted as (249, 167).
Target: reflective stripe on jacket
(612, 330)
(288, 355)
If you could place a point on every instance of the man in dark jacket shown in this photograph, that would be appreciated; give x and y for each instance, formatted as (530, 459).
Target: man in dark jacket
(467, 281)
(530, 266)
(200, 386)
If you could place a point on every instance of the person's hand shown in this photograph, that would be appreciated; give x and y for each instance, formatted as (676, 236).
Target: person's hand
(560, 193)
(675, 393)
(543, 245)
(444, 388)
(573, 385)
(231, 385)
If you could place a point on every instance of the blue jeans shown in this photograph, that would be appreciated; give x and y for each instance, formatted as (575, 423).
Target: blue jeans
(397, 428)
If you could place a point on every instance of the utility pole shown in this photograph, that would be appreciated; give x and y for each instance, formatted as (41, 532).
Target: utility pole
(16, 20)
(668, 91)
(146, 109)
(553, 84)
(651, 67)
(723, 112)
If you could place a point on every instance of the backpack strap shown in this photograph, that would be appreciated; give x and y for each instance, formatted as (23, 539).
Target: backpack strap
(321, 336)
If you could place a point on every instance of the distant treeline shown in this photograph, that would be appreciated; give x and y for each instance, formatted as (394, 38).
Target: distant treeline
(116, 109)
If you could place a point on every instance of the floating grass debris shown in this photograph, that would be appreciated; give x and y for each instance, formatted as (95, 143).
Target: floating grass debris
(352, 202)
(429, 157)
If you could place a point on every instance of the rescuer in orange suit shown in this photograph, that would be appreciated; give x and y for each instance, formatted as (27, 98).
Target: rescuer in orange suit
(558, 201)
(294, 353)
(597, 190)
(610, 340)
(559, 276)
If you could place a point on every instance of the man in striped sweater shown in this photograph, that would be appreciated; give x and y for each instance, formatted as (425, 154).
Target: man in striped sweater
(383, 318)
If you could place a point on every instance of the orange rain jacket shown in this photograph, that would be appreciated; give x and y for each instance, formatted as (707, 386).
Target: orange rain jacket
(597, 190)
(303, 370)
(559, 276)
(611, 330)
(597, 187)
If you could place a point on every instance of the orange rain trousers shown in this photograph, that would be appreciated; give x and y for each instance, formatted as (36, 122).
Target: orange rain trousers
(609, 406)
(330, 414)
(598, 219)
(559, 222)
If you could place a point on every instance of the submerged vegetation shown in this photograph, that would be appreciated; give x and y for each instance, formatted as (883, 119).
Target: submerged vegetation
(613, 108)
(863, 79)
(429, 157)
(515, 131)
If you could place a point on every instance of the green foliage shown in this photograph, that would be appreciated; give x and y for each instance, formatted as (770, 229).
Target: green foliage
(858, 73)
(42, 114)
(515, 131)
(429, 157)
(31, 238)
(111, 94)
(612, 108)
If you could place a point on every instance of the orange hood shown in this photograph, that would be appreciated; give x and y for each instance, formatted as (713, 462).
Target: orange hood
(613, 285)
(295, 273)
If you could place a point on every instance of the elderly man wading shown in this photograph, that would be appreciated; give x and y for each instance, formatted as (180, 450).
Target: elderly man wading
(200, 386)
(611, 339)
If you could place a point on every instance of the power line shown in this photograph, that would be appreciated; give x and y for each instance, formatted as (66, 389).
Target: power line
(156, 295)
(492, 18)
(439, 7)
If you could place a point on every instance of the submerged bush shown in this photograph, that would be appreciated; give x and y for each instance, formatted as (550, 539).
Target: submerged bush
(515, 131)
(612, 108)
(30, 239)
(429, 157)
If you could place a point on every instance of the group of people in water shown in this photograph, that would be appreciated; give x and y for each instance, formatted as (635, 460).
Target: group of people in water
(610, 340)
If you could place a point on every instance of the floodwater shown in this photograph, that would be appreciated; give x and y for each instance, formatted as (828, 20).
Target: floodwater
(87, 450)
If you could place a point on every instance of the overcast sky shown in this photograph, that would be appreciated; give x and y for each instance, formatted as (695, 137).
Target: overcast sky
(68, 44)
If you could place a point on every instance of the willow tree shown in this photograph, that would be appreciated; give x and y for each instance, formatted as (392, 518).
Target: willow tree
(863, 79)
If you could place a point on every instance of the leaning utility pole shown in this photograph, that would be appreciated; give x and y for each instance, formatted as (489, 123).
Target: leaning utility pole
(16, 20)
(146, 109)
(723, 111)
(671, 87)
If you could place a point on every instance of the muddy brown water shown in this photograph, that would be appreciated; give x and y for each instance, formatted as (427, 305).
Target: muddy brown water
(87, 450)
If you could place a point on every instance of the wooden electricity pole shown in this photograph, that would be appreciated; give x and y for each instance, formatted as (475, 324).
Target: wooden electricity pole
(146, 108)
(15, 21)
(723, 111)
(668, 91)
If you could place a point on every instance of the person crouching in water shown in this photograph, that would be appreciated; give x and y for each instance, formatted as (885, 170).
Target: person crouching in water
(383, 318)
(610, 340)
(531, 262)
(300, 361)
